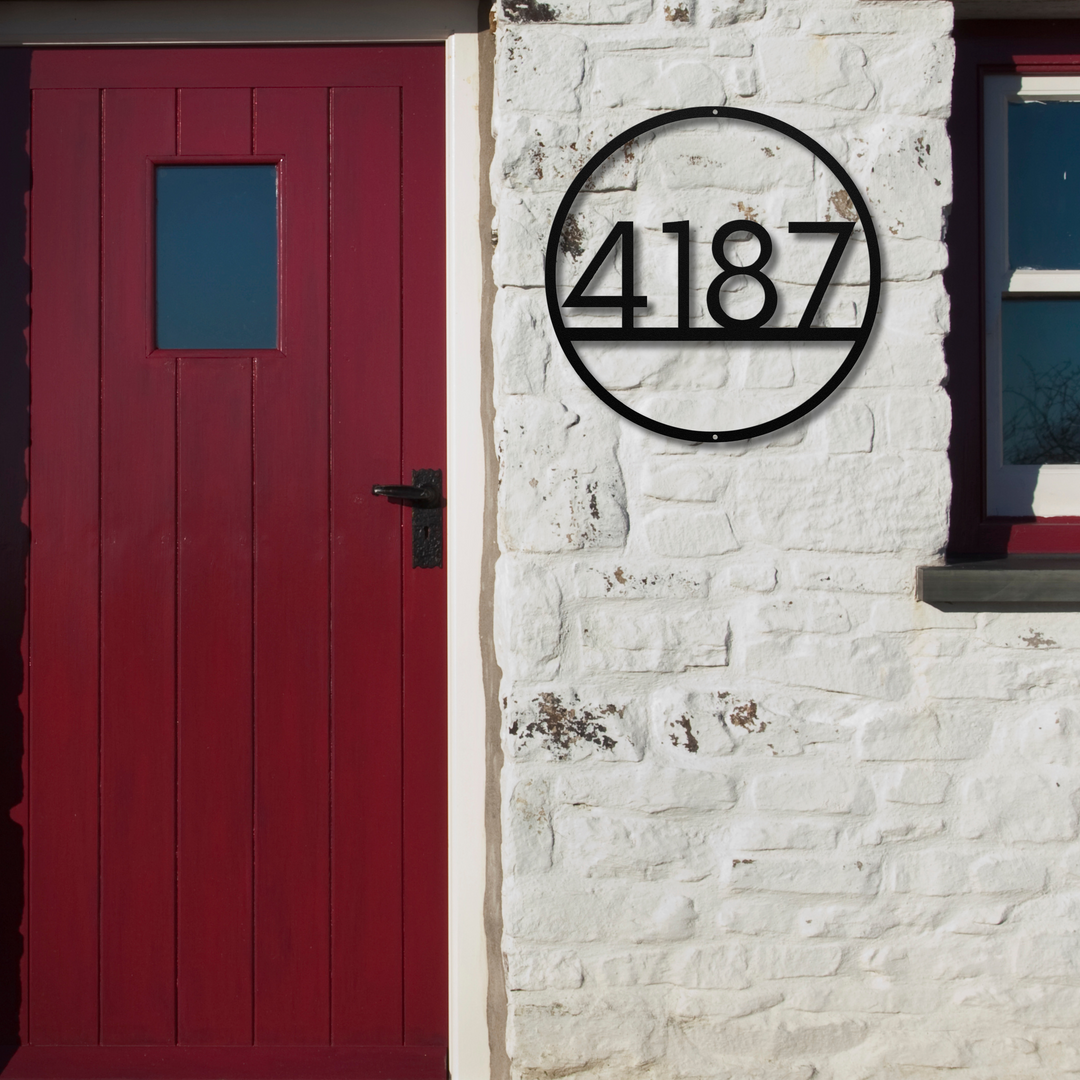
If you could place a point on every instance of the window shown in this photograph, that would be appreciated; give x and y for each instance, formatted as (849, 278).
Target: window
(1014, 281)
(216, 257)
(1031, 220)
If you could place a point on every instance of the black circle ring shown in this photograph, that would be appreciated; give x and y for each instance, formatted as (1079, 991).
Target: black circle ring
(605, 395)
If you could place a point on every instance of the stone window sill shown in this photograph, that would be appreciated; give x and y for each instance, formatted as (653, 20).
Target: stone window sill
(1010, 583)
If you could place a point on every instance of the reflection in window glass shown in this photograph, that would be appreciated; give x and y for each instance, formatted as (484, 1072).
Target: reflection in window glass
(1041, 381)
(1044, 185)
(216, 257)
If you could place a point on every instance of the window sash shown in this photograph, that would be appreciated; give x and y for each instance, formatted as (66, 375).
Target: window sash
(1016, 490)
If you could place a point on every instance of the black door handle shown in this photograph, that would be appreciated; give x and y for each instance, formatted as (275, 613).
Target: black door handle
(426, 495)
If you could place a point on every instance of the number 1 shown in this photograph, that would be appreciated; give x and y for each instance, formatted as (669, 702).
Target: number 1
(682, 230)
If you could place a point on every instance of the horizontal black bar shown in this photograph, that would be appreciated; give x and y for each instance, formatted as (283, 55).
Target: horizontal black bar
(672, 333)
(1034, 294)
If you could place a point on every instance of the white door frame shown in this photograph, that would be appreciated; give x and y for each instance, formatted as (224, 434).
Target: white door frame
(466, 704)
(200, 22)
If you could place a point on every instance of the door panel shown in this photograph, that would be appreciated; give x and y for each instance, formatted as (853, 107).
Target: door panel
(138, 595)
(292, 760)
(237, 680)
(214, 704)
(367, 910)
(63, 772)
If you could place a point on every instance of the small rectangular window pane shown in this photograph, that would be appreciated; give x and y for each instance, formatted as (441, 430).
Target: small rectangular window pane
(1044, 185)
(1041, 381)
(216, 248)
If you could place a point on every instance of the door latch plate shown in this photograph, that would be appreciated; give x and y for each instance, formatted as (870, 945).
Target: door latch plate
(427, 524)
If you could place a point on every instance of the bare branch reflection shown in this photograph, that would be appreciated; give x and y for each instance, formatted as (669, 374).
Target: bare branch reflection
(1042, 417)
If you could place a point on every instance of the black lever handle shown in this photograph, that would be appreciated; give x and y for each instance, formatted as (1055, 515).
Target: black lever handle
(427, 495)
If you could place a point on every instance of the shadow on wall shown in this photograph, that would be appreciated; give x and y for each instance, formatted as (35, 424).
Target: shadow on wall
(14, 535)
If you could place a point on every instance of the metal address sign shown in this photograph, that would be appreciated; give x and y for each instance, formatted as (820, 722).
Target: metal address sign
(712, 274)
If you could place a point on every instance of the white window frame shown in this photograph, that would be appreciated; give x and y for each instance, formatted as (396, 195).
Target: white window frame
(1016, 490)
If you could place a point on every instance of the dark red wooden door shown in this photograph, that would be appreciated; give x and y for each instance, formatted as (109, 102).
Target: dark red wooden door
(236, 745)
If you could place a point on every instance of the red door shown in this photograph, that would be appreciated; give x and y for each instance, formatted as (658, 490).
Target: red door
(235, 755)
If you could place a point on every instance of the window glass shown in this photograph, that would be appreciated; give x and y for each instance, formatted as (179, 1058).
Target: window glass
(216, 249)
(1044, 184)
(1040, 384)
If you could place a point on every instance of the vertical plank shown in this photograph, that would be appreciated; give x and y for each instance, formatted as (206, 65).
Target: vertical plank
(292, 615)
(214, 121)
(214, 893)
(366, 571)
(138, 582)
(424, 591)
(214, 655)
(63, 669)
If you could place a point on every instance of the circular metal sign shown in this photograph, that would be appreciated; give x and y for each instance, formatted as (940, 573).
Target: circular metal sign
(759, 256)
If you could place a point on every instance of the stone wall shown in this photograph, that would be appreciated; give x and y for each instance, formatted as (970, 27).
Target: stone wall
(764, 814)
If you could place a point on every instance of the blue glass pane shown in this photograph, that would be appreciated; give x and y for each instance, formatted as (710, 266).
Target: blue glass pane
(216, 250)
(1044, 185)
(1041, 381)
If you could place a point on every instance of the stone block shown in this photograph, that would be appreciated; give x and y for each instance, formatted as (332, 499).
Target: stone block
(561, 488)
(823, 70)
(814, 873)
(616, 639)
(521, 341)
(528, 618)
(539, 69)
(688, 726)
(809, 791)
(556, 725)
(1012, 807)
(683, 533)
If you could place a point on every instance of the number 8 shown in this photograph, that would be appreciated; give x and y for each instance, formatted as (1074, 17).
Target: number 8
(752, 270)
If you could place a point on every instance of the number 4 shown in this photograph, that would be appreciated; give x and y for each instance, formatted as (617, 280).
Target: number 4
(843, 230)
(624, 231)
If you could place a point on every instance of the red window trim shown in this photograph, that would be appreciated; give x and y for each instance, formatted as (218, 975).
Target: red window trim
(1023, 47)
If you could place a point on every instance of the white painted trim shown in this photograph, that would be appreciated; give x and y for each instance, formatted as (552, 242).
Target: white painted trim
(469, 1054)
(208, 22)
(1049, 88)
(1044, 281)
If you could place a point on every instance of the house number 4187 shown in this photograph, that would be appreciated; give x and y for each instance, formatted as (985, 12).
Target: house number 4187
(628, 301)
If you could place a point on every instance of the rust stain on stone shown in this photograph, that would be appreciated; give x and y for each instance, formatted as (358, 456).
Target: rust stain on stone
(526, 11)
(691, 739)
(678, 13)
(562, 726)
(746, 717)
(1036, 640)
(747, 212)
(842, 204)
(572, 240)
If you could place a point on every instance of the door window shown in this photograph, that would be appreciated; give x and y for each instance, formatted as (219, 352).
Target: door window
(216, 256)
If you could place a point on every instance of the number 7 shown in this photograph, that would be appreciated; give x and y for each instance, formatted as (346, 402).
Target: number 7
(843, 230)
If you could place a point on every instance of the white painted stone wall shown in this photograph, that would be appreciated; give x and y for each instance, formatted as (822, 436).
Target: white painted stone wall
(764, 815)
